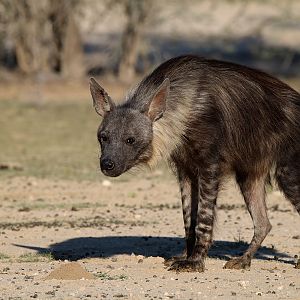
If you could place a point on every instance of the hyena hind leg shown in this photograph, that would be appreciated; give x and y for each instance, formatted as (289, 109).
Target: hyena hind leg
(253, 191)
(288, 178)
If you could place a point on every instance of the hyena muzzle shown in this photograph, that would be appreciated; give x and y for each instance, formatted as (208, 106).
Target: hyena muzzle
(208, 119)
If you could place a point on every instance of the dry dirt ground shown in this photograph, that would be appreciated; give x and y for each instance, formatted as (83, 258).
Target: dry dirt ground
(108, 239)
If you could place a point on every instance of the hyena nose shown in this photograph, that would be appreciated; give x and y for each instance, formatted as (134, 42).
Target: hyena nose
(107, 164)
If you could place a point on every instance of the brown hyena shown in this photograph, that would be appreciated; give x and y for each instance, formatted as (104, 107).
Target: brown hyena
(208, 119)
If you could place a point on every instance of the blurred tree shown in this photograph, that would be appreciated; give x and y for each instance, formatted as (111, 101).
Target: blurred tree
(31, 35)
(45, 36)
(136, 12)
(68, 44)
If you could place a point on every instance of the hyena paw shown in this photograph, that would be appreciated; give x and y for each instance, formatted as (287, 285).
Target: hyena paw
(187, 266)
(238, 263)
(169, 261)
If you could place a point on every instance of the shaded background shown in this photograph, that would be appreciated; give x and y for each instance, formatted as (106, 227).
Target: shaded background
(49, 48)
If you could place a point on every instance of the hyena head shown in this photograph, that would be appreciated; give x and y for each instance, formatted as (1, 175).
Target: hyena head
(126, 131)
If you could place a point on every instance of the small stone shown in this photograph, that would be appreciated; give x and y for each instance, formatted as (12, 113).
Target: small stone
(292, 284)
(106, 183)
(118, 296)
(52, 293)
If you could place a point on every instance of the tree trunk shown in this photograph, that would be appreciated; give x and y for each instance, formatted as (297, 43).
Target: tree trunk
(31, 36)
(72, 55)
(136, 13)
(69, 60)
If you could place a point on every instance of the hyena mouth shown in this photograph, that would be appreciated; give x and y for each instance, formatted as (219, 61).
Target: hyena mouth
(112, 173)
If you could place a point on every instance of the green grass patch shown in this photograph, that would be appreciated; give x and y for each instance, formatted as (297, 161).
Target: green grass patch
(53, 206)
(161, 206)
(107, 276)
(54, 140)
(4, 256)
(35, 257)
(95, 222)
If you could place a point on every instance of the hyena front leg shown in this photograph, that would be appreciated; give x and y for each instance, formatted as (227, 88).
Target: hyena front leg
(189, 199)
(208, 185)
(253, 190)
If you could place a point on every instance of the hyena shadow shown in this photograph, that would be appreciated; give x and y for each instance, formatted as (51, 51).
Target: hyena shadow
(166, 247)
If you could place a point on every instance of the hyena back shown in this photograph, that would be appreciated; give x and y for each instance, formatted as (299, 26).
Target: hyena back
(208, 119)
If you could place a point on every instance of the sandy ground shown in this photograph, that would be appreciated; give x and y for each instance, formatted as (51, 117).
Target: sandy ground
(118, 233)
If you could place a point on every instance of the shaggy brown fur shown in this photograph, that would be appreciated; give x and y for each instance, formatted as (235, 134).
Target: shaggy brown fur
(207, 118)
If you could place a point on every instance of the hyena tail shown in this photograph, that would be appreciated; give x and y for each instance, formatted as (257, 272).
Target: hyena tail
(288, 177)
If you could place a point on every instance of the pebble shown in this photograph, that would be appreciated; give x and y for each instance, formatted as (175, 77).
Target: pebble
(106, 183)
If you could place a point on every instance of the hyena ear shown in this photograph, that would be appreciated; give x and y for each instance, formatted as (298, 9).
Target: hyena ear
(158, 102)
(101, 101)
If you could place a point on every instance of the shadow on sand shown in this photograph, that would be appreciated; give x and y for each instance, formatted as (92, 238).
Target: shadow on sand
(87, 247)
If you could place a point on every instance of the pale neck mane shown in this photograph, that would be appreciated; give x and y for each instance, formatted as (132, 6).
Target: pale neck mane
(169, 130)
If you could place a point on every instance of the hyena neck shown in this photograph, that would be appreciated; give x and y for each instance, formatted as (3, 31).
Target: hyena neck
(168, 131)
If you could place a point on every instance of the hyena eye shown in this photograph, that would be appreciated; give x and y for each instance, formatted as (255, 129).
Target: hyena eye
(130, 140)
(103, 138)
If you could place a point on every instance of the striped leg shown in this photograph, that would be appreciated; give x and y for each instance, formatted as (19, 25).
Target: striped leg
(189, 199)
(208, 182)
